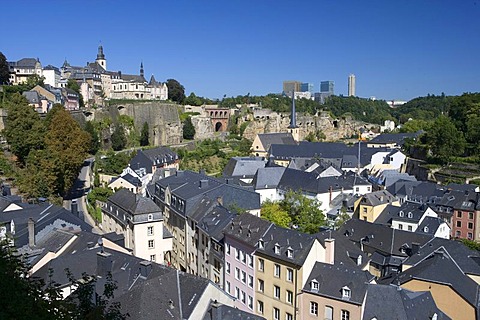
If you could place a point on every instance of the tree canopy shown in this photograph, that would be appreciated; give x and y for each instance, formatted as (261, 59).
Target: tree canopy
(176, 92)
(188, 129)
(4, 70)
(119, 139)
(144, 135)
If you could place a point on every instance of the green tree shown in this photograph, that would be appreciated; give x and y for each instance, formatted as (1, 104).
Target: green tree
(34, 80)
(4, 70)
(176, 92)
(415, 125)
(188, 129)
(444, 139)
(73, 84)
(273, 212)
(94, 137)
(144, 136)
(193, 100)
(119, 140)
(68, 145)
(24, 129)
(304, 212)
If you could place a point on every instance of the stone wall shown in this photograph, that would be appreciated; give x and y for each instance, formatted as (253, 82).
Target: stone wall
(203, 127)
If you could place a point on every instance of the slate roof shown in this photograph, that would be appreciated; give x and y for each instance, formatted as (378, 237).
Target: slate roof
(377, 198)
(247, 228)
(310, 182)
(300, 243)
(268, 177)
(465, 258)
(381, 238)
(214, 222)
(441, 268)
(390, 302)
(32, 96)
(407, 212)
(243, 166)
(430, 225)
(153, 157)
(346, 252)
(222, 312)
(133, 78)
(24, 63)
(416, 191)
(267, 139)
(458, 200)
(397, 138)
(333, 277)
(129, 178)
(163, 294)
(133, 203)
(47, 217)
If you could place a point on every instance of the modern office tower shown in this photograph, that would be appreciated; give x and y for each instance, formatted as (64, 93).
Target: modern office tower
(307, 87)
(351, 85)
(291, 86)
(327, 87)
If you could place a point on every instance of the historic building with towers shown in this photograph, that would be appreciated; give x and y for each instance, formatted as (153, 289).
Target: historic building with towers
(99, 84)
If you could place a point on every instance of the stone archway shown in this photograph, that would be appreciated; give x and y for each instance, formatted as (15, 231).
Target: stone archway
(218, 126)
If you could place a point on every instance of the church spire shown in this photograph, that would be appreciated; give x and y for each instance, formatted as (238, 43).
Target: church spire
(100, 55)
(141, 69)
(293, 117)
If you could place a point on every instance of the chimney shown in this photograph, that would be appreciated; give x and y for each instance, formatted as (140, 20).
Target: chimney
(220, 200)
(215, 312)
(203, 184)
(104, 263)
(415, 248)
(330, 251)
(31, 233)
(74, 208)
(145, 268)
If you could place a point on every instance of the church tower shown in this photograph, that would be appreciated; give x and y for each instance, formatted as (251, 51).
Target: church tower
(101, 58)
(141, 69)
(292, 128)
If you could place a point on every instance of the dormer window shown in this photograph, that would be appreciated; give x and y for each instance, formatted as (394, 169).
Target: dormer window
(289, 252)
(346, 293)
(425, 229)
(150, 217)
(314, 285)
(401, 214)
(359, 260)
(410, 215)
(276, 249)
(261, 244)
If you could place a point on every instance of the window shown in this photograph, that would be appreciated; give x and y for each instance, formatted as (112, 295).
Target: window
(276, 314)
(261, 285)
(151, 244)
(459, 214)
(314, 285)
(261, 264)
(357, 189)
(250, 261)
(227, 267)
(400, 226)
(470, 225)
(244, 277)
(410, 228)
(289, 253)
(314, 308)
(458, 234)
(328, 313)
(346, 293)
(261, 244)
(227, 287)
(237, 292)
(250, 281)
(260, 306)
(470, 215)
(244, 297)
(470, 236)
(237, 273)
(227, 249)
(345, 315)
(150, 231)
(150, 217)
(288, 316)
(276, 272)
(250, 302)
(410, 215)
(459, 224)
(276, 292)
(289, 275)
(289, 297)
(277, 248)
(153, 257)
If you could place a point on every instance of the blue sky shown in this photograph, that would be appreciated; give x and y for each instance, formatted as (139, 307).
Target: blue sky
(397, 49)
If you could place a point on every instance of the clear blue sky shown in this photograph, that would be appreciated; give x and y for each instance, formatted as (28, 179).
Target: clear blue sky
(397, 49)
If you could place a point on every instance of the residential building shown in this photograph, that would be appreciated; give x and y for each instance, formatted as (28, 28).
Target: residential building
(284, 259)
(265, 182)
(243, 168)
(392, 140)
(369, 206)
(52, 76)
(224, 312)
(37, 101)
(140, 221)
(24, 68)
(262, 142)
(334, 291)
(351, 85)
(241, 238)
(127, 181)
(71, 99)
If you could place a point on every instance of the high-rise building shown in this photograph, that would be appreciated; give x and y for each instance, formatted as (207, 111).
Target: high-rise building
(307, 87)
(351, 85)
(291, 86)
(327, 87)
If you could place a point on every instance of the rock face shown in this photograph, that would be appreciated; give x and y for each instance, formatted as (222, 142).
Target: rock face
(163, 120)
(268, 122)
(203, 127)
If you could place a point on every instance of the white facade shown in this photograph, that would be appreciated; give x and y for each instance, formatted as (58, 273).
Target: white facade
(52, 77)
